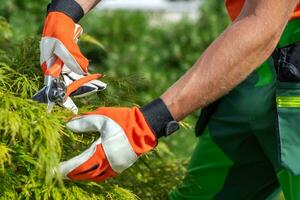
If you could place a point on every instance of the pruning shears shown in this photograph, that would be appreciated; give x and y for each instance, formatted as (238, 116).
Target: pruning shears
(56, 91)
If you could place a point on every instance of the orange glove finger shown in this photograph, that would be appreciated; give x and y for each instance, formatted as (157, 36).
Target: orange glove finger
(94, 168)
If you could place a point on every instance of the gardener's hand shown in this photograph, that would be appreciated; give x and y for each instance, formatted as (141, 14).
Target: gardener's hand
(60, 35)
(126, 134)
(59, 40)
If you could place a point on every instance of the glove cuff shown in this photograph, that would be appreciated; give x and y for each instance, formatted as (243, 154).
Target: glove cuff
(68, 7)
(159, 118)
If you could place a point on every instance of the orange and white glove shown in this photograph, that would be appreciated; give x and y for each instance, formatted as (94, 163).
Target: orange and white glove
(59, 41)
(60, 35)
(125, 134)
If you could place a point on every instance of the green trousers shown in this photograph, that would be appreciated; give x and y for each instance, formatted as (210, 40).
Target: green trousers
(236, 157)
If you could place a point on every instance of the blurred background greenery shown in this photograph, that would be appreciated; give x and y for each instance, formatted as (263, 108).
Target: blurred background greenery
(148, 53)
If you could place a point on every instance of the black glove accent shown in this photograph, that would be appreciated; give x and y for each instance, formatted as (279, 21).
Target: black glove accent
(68, 7)
(159, 118)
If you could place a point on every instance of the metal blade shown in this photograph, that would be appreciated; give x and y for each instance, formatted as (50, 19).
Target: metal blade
(52, 93)
(42, 96)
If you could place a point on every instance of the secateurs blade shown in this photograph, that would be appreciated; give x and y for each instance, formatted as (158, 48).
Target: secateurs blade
(56, 91)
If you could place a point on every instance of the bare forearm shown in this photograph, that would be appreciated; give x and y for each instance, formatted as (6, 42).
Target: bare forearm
(87, 5)
(228, 61)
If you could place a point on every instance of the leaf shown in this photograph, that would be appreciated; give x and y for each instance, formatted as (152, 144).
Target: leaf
(185, 125)
(5, 156)
(5, 30)
(92, 40)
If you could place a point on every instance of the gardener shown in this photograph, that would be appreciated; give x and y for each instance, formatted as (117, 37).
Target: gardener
(237, 153)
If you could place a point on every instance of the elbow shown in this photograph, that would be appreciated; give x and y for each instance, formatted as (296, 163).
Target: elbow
(269, 34)
(268, 42)
(271, 29)
(265, 30)
(271, 39)
(273, 34)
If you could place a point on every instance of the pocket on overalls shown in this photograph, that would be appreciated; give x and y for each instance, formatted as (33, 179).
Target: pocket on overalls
(287, 63)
